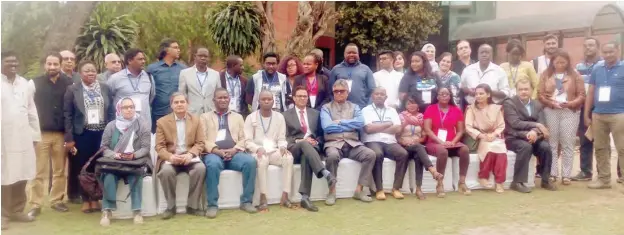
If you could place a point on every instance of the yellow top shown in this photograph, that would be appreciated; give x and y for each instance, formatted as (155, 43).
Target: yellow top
(515, 73)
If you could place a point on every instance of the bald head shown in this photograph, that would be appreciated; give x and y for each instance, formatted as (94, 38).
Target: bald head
(379, 96)
(112, 62)
(485, 54)
(265, 100)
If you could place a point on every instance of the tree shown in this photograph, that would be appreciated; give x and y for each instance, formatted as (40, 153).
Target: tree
(104, 34)
(265, 8)
(236, 28)
(66, 26)
(386, 25)
(312, 21)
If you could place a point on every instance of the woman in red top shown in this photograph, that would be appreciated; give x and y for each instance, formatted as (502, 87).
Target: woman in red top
(444, 126)
(314, 81)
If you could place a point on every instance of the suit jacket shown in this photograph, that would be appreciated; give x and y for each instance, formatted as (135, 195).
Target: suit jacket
(518, 122)
(166, 137)
(293, 126)
(243, 100)
(323, 89)
(200, 100)
(236, 125)
(74, 109)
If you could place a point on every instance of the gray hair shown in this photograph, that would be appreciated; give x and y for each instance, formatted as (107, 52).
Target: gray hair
(341, 82)
(108, 57)
(176, 94)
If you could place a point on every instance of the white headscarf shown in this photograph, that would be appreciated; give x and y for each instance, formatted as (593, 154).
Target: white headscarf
(122, 123)
(433, 63)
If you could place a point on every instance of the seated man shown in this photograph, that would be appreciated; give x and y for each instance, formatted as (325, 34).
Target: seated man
(265, 134)
(525, 134)
(341, 120)
(225, 141)
(179, 141)
(381, 126)
(304, 141)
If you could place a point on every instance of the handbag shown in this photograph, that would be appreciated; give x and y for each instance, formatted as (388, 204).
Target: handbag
(122, 167)
(470, 142)
(89, 181)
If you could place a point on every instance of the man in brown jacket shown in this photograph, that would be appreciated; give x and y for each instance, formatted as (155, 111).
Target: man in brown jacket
(179, 143)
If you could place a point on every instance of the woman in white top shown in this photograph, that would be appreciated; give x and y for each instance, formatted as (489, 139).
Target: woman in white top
(430, 50)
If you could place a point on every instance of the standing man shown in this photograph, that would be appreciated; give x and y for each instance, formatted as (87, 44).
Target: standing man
(388, 78)
(551, 44)
(358, 76)
(318, 52)
(49, 92)
(591, 46)
(463, 57)
(304, 141)
(233, 80)
(135, 83)
(525, 134)
(199, 82)
(113, 65)
(20, 133)
(268, 79)
(606, 100)
(179, 143)
(166, 73)
(68, 64)
(225, 141)
(341, 121)
(484, 72)
(382, 123)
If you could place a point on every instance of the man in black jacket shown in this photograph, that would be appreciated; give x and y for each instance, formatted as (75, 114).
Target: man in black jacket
(525, 134)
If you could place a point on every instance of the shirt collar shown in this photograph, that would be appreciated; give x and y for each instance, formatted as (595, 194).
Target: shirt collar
(186, 116)
(226, 112)
(528, 103)
(299, 110)
(130, 75)
(162, 63)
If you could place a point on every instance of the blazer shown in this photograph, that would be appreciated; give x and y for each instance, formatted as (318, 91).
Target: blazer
(74, 109)
(236, 125)
(293, 126)
(200, 100)
(243, 97)
(518, 122)
(323, 89)
(141, 142)
(573, 85)
(166, 137)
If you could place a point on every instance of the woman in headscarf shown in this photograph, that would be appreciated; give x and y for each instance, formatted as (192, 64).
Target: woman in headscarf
(127, 137)
(430, 50)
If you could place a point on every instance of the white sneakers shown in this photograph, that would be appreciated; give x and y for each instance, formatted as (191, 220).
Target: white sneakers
(107, 214)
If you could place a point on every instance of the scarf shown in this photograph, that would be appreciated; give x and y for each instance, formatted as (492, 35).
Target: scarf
(126, 127)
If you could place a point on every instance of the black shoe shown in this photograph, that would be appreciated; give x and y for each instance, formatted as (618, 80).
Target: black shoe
(519, 187)
(23, 218)
(169, 213)
(60, 207)
(582, 177)
(307, 204)
(549, 186)
(76, 200)
(34, 212)
(195, 212)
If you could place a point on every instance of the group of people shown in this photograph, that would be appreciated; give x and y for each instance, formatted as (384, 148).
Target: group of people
(295, 111)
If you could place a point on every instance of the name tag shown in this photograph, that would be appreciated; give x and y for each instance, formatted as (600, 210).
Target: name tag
(604, 94)
(563, 98)
(426, 95)
(442, 134)
(221, 135)
(268, 145)
(137, 104)
(349, 83)
(93, 116)
(313, 100)
(234, 105)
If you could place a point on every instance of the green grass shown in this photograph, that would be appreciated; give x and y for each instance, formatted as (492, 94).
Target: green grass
(573, 210)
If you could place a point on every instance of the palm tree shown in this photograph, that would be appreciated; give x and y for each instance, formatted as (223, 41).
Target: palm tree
(236, 28)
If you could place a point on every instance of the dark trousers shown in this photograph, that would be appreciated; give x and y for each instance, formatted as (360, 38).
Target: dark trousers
(359, 153)
(421, 160)
(154, 119)
(586, 148)
(13, 199)
(391, 151)
(87, 144)
(308, 156)
(524, 150)
(495, 163)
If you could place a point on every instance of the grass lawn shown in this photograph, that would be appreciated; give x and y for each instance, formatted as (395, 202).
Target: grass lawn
(573, 210)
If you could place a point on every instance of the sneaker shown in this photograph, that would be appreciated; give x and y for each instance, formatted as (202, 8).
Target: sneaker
(138, 218)
(247, 207)
(331, 199)
(211, 213)
(598, 185)
(362, 197)
(105, 221)
(581, 176)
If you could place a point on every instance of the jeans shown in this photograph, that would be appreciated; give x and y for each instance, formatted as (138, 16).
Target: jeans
(109, 197)
(241, 162)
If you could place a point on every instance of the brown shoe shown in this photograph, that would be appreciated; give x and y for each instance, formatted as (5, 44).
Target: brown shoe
(380, 195)
(397, 194)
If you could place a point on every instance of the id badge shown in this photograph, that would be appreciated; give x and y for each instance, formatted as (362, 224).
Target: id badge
(442, 133)
(604, 94)
(313, 100)
(276, 89)
(349, 83)
(268, 145)
(426, 95)
(562, 98)
(221, 135)
(93, 116)
(234, 105)
(137, 104)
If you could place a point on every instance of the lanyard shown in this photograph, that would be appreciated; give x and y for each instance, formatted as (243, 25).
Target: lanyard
(265, 130)
(381, 117)
(134, 87)
(91, 95)
(483, 75)
(350, 72)
(233, 83)
(222, 118)
(312, 85)
(274, 79)
(559, 82)
(513, 74)
(442, 118)
(413, 130)
(201, 81)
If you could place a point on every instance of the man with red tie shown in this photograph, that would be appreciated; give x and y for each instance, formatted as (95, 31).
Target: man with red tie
(304, 141)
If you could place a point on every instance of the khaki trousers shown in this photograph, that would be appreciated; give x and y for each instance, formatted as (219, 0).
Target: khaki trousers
(603, 125)
(276, 159)
(51, 147)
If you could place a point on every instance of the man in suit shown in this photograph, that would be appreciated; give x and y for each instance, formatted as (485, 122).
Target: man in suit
(179, 143)
(233, 80)
(225, 143)
(304, 142)
(113, 65)
(199, 82)
(525, 134)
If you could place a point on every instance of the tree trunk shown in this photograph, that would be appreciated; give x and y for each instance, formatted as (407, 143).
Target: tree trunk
(265, 8)
(67, 26)
(312, 21)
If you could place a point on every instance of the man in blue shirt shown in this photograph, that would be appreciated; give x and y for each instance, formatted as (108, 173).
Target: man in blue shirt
(359, 77)
(166, 73)
(606, 98)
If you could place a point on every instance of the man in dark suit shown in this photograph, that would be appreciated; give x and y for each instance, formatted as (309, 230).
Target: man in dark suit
(525, 134)
(304, 142)
(233, 80)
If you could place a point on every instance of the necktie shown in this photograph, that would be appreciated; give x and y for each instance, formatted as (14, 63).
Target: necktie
(304, 126)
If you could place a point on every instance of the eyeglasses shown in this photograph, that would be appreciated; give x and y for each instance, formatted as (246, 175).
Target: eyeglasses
(116, 62)
(69, 58)
(340, 91)
(127, 107)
